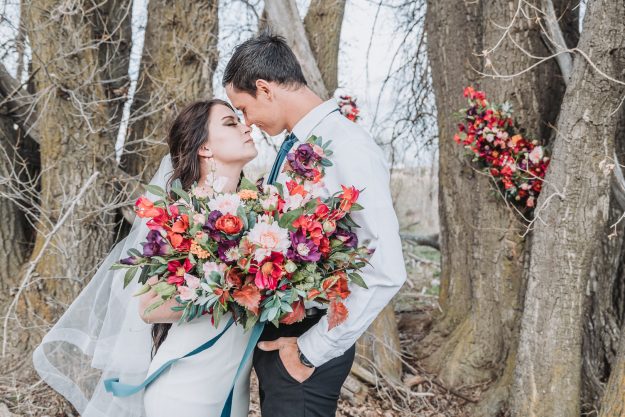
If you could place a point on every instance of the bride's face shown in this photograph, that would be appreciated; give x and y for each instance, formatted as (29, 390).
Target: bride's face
(229, 140)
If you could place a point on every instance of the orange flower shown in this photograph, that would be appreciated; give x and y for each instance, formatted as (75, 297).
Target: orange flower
(248, 195)
(145, 208)
(181, 225)
(349, 197)
(229, 224)
(198, 251)
(295, 188)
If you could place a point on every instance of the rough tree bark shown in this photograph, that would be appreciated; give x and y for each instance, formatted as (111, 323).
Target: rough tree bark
(177, 66)
(75, 144)
(483, 253)
(283, 18)
(323, 24)
(605, 304)
(612, 403)
(573, 209)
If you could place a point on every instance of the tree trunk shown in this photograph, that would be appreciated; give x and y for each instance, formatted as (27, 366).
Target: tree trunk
(75, 227)
(573, 209)
(323, 29)
(483, 253)
(613, 404)
(178, 62)
(283, 18)
(604, 308)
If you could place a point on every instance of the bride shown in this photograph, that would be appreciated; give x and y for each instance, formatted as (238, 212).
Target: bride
(105, 332)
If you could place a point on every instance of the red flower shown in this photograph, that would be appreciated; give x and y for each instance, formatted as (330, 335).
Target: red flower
(178, 270)
(229, 224)
(322, 211)
(270, 271)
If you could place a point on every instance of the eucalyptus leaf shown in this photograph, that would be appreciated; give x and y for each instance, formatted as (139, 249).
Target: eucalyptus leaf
(130, 274)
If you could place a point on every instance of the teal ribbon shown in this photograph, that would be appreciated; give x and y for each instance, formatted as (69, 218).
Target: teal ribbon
(249, 350)
(286, 146)
(118, 389)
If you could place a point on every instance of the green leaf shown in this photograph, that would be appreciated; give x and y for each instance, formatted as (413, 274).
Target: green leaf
(250, 321)
(145, 274)
(358, 280)
(181, 193)
(130, 274)
(289, 217)
(356, 207)
(311, 206)
(241, 214)
(156, 190)
(118, 266)
(143, 290)
(280, 188)
(154, 306)
(247, 185)
(164, 289)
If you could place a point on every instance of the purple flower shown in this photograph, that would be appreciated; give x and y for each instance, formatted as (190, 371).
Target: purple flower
(301, 159)
(302, 249)
(228, 251)
(210, 225)
(133, 260)
(156, 245)
(348, 238)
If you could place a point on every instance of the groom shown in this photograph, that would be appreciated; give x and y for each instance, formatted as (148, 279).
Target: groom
(301, 367)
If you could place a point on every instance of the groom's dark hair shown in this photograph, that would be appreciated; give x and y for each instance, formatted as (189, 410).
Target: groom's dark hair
(265, 56)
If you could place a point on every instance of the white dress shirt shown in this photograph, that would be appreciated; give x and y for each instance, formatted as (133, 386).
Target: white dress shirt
(357, 161)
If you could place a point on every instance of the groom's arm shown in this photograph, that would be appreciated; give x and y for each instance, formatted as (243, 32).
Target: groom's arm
(362, 167)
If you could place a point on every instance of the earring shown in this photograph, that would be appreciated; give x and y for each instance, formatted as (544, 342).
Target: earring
(210, 178)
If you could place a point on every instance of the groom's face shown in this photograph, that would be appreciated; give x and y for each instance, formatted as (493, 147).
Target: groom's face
(262, 110)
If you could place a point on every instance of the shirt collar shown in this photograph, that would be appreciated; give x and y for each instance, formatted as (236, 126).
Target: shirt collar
(305, 126)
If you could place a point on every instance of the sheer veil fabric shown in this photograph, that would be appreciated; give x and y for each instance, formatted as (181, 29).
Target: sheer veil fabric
(101, 335)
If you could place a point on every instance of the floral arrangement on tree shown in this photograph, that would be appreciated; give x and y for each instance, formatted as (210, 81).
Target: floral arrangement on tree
(259, 253)
(499, 148)
(348, 107)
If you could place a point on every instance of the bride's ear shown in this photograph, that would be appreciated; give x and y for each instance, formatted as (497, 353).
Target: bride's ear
(205, 152)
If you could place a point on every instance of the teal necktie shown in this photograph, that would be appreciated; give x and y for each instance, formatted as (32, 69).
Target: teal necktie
(284, 149)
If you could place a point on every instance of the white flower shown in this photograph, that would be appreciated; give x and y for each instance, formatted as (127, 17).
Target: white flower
(199, 218)
(192, 281)
(213, 267)
(268, 237)
(201, 192)
(225, 203)
(270, 203)
(313, 189)
(293, 202)
(186, 293)
(536, 155)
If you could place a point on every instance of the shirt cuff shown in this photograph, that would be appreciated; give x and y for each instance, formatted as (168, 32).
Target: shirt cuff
(315, 346)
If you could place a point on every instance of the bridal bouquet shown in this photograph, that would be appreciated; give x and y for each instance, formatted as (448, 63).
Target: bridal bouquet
(501, 149)
(259, 253)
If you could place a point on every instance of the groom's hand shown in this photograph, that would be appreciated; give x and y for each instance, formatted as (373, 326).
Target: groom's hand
(289, 355)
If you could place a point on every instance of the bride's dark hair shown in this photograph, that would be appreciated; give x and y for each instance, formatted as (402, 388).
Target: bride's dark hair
(188, 132)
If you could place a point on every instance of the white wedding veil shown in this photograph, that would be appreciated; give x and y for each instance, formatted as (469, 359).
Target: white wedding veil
(101, 335)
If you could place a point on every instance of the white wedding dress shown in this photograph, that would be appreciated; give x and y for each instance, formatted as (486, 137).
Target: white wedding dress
(101, 336)
(198, 386)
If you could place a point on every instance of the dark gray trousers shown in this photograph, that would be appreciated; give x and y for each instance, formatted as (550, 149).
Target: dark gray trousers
(282, 396)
